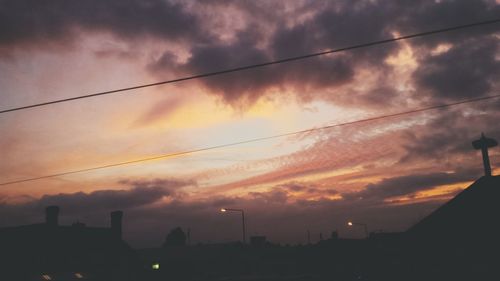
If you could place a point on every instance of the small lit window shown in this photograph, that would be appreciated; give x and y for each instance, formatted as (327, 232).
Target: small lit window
(155, 266)
(78, 275)
(46, 277)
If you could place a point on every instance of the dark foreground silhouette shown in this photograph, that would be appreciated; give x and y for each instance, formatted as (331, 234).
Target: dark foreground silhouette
(459, 241)
(49, 251)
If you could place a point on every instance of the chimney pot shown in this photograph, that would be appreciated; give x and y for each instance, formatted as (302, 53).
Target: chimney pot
(52, 215)
(116, 224)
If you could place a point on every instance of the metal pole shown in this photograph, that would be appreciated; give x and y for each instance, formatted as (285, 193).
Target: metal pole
(486, 161)
(366, 230)
(244, 232)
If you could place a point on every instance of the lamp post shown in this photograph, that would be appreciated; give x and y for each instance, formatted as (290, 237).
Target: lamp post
(223, 210)
(350, 223)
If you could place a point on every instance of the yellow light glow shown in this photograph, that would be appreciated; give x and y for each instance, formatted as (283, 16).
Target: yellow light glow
(155, 266)
(223, 210)
(349, 223)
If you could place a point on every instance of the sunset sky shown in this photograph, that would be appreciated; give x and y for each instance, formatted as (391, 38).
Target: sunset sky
(387, 173)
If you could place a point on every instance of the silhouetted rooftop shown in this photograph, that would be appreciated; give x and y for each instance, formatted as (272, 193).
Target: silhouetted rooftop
(472, 214)
(35, 249)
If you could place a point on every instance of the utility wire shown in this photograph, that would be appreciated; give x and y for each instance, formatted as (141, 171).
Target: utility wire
(447, 105)
(247, 67)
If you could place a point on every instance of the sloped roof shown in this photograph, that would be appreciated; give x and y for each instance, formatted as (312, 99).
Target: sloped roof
(473, 213)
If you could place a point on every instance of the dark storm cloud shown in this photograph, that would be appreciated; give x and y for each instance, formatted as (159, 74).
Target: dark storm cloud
(409, 184)
(315, 73)
(342, 23)
(418, 16)
(140, 193)
(451, 133)
(466, 70)
(34, 21)
(470, 66)
(251, 84)
(275, 30)
(351, 24)
(325, 31)
(90, 206)
(224, 56)
(105, 199)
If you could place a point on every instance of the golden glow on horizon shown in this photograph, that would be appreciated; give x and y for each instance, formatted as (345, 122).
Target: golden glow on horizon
(443, 192)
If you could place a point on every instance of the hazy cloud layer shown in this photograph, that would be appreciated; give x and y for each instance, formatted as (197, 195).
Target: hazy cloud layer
(140, 193)
(410, 184)
(267, 212)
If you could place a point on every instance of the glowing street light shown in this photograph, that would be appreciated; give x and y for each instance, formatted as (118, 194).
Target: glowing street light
(350, 223)
(223, 210)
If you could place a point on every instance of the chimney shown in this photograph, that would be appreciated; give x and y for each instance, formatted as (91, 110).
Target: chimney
(51, 215)
(116, 224)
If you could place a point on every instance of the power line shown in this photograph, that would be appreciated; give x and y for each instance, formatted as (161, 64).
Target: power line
(247, 67)
(254, 140)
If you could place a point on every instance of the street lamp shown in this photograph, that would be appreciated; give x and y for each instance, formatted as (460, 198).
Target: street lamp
(350, 223)
(223, 210)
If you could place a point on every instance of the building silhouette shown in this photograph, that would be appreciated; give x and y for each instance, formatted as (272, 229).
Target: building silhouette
(471, 215)
(459, 239)
(49, 251)
(258, 241)
(175, 238)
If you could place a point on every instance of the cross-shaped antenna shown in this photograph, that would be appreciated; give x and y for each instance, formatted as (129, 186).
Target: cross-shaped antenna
(484, 143)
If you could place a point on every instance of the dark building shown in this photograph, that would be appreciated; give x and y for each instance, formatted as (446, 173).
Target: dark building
(175, 238)
(460, 239)
(49, 251)
(470, 217)
(258, 241)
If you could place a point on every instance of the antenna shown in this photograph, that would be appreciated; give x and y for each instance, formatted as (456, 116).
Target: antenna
(484, 143)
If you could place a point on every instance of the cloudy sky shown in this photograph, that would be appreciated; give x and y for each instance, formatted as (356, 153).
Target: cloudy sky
(387, 173)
